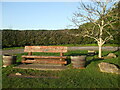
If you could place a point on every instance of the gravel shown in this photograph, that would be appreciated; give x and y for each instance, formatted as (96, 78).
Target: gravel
(107, 48)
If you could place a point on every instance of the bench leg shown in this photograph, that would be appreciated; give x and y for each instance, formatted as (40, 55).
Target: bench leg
(62, 60)
(23, 59)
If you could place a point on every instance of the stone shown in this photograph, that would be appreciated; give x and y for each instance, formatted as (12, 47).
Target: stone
(112, 55)
(4, 65)
(108, 68)
(91, 52)
(18, 74)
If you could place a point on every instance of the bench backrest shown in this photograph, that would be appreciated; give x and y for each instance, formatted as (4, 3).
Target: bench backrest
(54, 49)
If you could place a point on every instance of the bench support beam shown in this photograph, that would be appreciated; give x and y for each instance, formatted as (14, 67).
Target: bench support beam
(29, 53)
(45, 61)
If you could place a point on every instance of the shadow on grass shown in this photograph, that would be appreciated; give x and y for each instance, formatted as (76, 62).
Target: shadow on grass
(80, 54)
(76, 54)
(18, 63)
(116, 65)
(93, 60)
(68, 61)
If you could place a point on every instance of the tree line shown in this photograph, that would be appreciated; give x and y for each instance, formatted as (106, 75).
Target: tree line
(18, 38)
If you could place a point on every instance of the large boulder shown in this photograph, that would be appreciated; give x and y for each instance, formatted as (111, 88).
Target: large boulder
(112, 55)
(108, 68)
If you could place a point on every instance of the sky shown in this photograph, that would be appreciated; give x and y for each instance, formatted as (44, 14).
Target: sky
(37, 15)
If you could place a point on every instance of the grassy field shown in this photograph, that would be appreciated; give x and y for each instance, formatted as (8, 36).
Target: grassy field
(91, 77)
(68, 45)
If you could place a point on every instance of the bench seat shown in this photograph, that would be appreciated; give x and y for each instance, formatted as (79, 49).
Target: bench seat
(45, 61)
(54, 57)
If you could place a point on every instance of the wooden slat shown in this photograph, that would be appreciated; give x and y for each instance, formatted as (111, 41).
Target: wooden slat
(54, 49)
(38, 59)
(48, 60)
(45, 61)
(33, 56)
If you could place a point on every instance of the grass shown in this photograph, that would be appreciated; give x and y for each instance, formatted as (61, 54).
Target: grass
(13, 48)
(90, 77)
(68, 45)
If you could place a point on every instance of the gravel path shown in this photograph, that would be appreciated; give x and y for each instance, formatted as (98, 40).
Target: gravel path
(107, 48)
(14, 51)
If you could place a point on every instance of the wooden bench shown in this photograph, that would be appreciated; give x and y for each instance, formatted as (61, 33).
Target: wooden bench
(30, 58)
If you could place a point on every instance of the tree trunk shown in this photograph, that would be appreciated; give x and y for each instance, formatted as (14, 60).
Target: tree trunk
(100, 43)
(100, 51)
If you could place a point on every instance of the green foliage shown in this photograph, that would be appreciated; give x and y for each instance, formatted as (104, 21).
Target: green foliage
(12, 38)
(111, 25)
(17, 38)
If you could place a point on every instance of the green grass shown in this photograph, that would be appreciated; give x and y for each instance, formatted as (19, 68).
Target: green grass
(13, 48)
(68, 45)
(90, 77)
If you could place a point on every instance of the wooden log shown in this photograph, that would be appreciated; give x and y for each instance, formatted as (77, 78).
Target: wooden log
(33, 56)
(54, 49)
(45, 61)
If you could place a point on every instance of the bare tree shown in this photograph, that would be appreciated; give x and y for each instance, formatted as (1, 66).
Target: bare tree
(100, 15)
